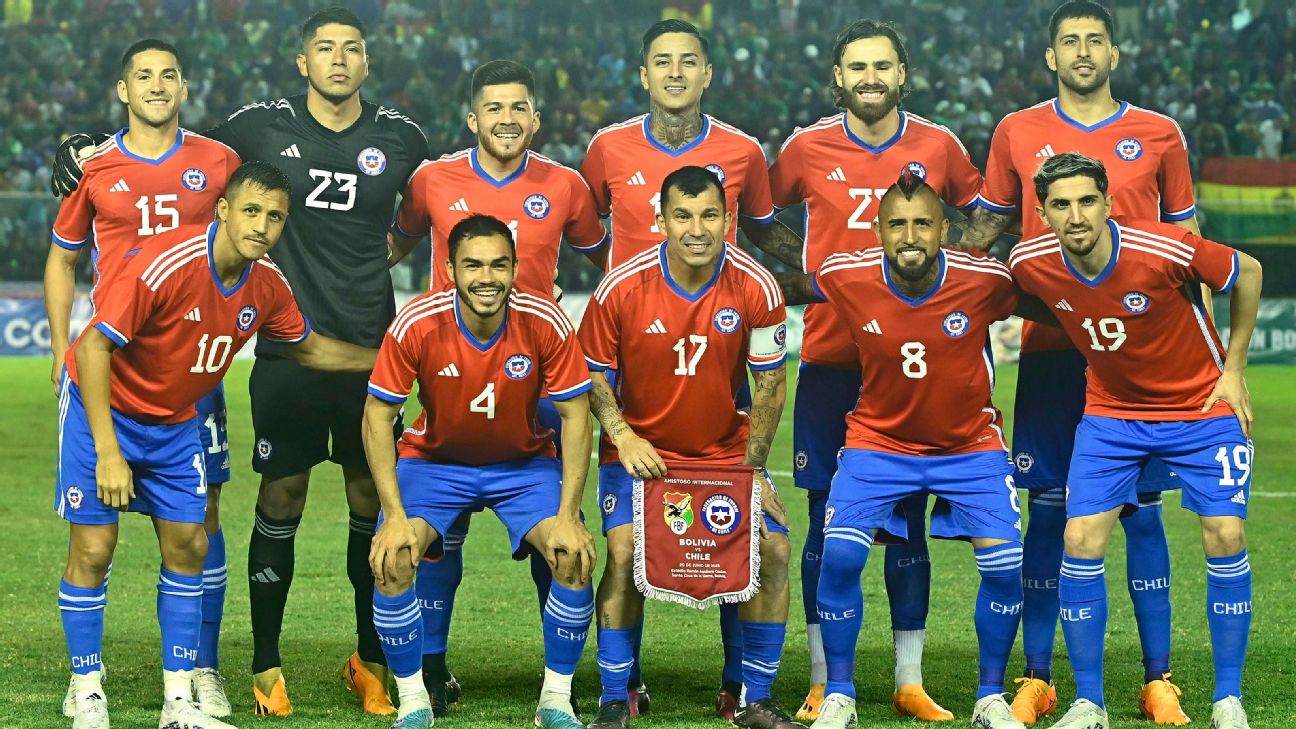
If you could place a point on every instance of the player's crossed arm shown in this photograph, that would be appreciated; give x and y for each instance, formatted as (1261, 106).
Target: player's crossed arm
(982, 229)
(799, 288)
(319, 352)
(775, 239)
(637, 455)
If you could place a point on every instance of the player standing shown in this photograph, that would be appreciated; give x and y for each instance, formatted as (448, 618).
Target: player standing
(128, 431)
(482, 355)
(677, 321)
(1147, 160)
(1160, 386)
(840, 167)
(542, 202)
(149, 178)
(924, 423)
(625, 166)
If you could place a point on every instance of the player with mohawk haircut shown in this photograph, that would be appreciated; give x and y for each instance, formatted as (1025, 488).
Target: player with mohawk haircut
(925, 326)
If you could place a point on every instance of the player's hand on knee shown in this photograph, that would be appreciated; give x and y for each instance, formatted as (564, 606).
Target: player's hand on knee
(639, 457)
(1231, 387)
(771, 504)
(394, 550)
(114, 481)
(569, 550)
(65, 173)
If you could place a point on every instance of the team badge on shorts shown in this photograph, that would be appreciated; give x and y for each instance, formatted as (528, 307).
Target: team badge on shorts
(74, 496)
(727, 320)
(721, 514)
(956, 324)
(718, 171)
(918, 169)
(1129, 149)
(372, 161)
(801, 460)
(1136, 302)
(536, 206)
(246, 318)
(194, 179)
(1024, 461)
(828, 515)
(609, 503)
(517, 366)
(263, 449)
(677, 509)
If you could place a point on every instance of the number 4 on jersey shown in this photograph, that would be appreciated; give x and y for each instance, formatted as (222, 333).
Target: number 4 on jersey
(484, 402)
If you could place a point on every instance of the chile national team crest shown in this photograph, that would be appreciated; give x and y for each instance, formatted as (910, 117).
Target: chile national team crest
(721, 514)
(956, 324)
(517, 366)
(718, 171)
(677, 509)
(74, 497)
(372, 161)
(1024, 461)
(536, 206)
(1136, 302)
(247, 316)
(194, 179)
(1129, 149)
(918, 169)
(727, 320)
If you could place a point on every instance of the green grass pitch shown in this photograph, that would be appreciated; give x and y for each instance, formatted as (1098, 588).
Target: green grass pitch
(495, 642)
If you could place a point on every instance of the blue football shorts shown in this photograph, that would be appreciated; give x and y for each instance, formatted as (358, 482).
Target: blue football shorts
(824, 397)
(214, 434)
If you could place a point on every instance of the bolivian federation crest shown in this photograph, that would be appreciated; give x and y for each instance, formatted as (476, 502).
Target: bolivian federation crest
(678, 511)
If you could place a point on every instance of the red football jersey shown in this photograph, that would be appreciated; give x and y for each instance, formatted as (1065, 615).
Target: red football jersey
(680, 355)
(926, 365)
(841, 179)
(178, 327)
(625, 166)
(1144, 152)
(541, 203)
(1153, 353)
(124, 199)
(479, 398)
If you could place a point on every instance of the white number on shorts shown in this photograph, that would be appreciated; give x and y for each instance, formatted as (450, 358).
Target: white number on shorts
(914, 366)
(167, 217)
(202, 473)
(689, 368)
(217, 446)
(485, 402)
(346, 183)
(1241, 461)
(1112, 329)
(655, 202)
(1012, 494)
(216, 358)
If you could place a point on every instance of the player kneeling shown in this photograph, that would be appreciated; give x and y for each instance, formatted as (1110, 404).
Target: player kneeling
(128, 430)
(924, 423)
(482, 354)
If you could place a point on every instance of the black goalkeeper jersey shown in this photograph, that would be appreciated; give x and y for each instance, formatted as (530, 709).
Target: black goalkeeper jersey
(344, 188)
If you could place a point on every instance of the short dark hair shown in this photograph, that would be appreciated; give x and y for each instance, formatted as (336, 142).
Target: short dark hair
(692, 181)
(478, 226)
(859, 30)
(330, 16)
(499, 72)
(1081, 9)
(262, 174)
(1068, 164)
(673, 25)
(148, 44)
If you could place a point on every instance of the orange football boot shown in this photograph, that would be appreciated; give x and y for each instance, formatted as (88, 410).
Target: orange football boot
(277, 703)
(912, 700)
(1035, 698)
(1159, 701)
(372, 692)
(809, 710)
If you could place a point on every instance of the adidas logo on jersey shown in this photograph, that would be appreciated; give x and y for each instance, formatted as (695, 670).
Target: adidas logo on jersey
(1064, 305)
(656, 327)
(637, 179)
(291, 151)
(836, 175)
(460, 206)
(1239, 498)
(448, 371)
(266, 576)
(1046, 152)
(121, 186)
(873, 327)
(194, 315)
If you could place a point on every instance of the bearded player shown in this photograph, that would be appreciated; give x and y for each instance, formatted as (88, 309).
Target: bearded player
(1160, 385)
(677, 321)
(840, 167)
(1147, 163)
